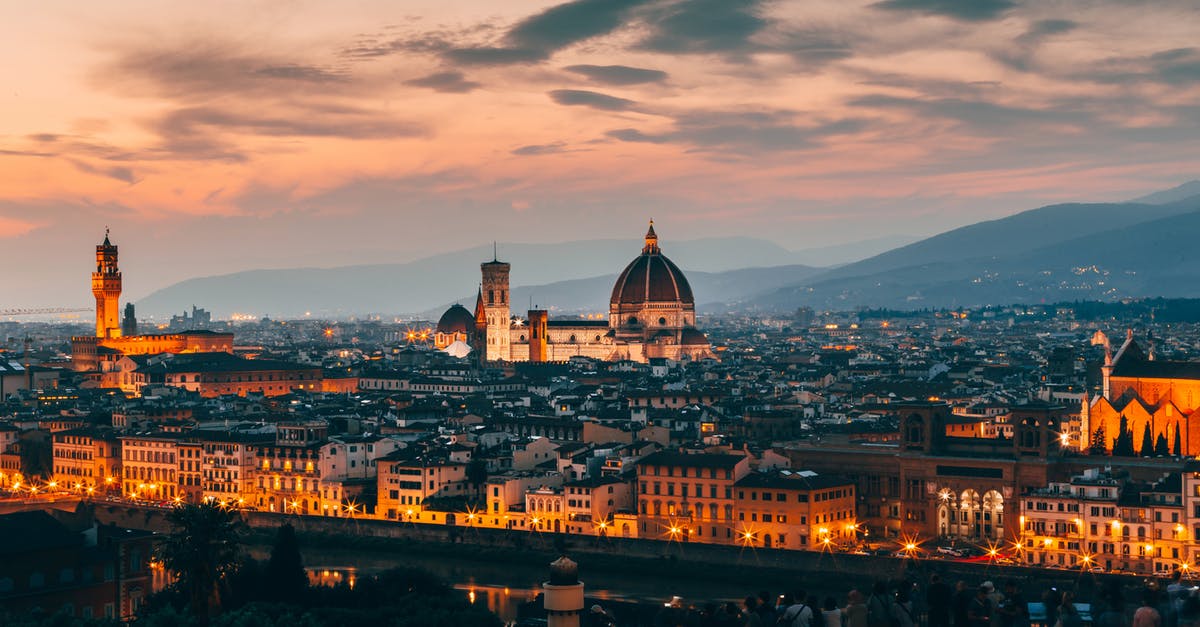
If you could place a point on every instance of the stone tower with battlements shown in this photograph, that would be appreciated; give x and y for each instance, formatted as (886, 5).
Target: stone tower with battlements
(106, 287)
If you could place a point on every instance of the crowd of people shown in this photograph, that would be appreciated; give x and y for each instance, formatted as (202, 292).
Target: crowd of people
(939, 603)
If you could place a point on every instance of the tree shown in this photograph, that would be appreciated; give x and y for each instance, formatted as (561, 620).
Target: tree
(1147, 447)
(286, 578)
(1178, 441)
(477, 473)
(1099, 444)
(1161, 449)
(202, 550)
(37, 456)
(1123, 446)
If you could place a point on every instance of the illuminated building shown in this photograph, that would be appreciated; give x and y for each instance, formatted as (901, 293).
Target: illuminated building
(801, 510)
(544, 508)
(689, 497)
(288, 474)
(1099, 521)
(150, 466)
(1163, 395)
(191, 472)
(214, 374)
(83, 459)
(106, 347)
(456, 325)
(227, 464)
(506, 496)
(652, 314)
(932, 485)
(406, 481)
(106, 287)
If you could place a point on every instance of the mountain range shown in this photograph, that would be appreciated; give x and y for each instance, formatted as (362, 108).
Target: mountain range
(575, 276)
(1098, 251)
(1055, 253)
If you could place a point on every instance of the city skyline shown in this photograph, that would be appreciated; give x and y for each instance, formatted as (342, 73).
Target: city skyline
(311, 134)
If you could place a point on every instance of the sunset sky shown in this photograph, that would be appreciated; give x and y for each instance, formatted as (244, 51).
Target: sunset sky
(225, 135)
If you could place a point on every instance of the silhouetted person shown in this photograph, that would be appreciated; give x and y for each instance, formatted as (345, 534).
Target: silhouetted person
(938, 599)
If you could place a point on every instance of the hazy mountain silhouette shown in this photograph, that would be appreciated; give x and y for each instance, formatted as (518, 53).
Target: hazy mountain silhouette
(1060, 252)
(714, 291)
(427, 284)
(1175, 194)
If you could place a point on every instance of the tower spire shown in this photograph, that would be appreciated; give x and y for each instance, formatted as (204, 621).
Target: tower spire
(651, 246)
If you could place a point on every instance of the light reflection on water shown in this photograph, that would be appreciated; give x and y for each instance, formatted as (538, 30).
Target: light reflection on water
(504, 586)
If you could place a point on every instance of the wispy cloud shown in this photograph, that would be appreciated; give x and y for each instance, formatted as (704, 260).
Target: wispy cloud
(541, 149)
(742, 132)
(595, 100)
(619, 74)
(451, 82)
(704, 26)
(967, 10)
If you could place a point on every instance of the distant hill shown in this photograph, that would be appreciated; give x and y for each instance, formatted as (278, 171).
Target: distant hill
(427, 284)
(841, 254)
(714, 291)
(1175, 194)
(1060, 252)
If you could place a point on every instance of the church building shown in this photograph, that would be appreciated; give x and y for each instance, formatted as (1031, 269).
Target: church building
(652, 314)
(1161, 395)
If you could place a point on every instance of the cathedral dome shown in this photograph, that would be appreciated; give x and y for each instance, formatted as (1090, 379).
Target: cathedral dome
(456, 320)
(651, 278)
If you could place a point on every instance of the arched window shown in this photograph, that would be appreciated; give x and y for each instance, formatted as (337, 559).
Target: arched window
(572, 339)
(633, 320)
(522, 338)
(662, 321)
(597, 338)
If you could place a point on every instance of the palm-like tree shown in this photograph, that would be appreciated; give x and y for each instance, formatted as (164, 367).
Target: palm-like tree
(203, 548)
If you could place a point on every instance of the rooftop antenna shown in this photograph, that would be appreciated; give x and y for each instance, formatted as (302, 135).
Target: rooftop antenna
(495, 254)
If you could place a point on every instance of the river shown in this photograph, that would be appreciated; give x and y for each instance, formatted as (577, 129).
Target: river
(505, 586)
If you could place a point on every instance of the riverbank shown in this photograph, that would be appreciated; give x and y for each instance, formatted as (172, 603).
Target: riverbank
(667, 568)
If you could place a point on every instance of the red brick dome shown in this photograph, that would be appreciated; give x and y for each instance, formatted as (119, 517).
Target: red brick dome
(651, 278)
(456, 320)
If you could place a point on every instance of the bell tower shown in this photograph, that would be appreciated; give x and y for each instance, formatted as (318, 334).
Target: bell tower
(106, 287)
(496, 309)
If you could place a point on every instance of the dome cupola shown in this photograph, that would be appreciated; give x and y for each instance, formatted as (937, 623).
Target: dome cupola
(651, 278)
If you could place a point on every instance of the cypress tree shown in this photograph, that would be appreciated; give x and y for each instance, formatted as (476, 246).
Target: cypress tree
(1147, 448)
(1123, 446)
(1098, 444)
(1161, 449)
(286, 578)
(1178, 441)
